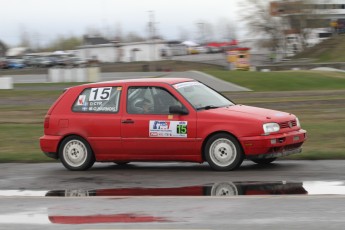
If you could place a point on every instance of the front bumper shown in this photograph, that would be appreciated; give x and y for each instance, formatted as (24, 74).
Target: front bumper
(274, 145)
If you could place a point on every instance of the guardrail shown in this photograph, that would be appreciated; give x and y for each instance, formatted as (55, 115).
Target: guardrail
(6, 83)
(90, 74)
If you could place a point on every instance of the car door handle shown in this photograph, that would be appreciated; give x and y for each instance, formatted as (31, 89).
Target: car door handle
(128, 121)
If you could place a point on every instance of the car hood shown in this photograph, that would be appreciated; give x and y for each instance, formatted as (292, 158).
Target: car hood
(251, 112)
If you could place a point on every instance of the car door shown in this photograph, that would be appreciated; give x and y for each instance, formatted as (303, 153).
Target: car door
(96, 116)
(155, 134)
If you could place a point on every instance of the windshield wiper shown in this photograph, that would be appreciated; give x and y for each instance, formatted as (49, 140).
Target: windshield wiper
(207, 107)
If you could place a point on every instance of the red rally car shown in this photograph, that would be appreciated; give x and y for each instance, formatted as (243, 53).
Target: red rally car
(164, 119)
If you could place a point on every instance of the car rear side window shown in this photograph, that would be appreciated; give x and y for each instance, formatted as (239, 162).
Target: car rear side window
(98, 100)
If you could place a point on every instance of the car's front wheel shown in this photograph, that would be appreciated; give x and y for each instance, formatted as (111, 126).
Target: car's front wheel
(223, 152)
(76, 154)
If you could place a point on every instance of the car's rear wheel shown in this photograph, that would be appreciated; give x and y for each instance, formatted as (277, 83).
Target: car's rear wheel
(264, 161)
(76, 154)
(223, 152)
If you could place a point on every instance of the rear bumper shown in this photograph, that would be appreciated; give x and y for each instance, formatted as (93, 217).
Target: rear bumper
(49, 145)
(274, 145)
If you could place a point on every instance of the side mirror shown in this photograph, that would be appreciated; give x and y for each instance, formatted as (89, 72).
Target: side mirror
(176, 109)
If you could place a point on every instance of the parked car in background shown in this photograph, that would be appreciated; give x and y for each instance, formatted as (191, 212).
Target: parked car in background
(3, 63)
(77, 62)
(15, 64)
(44, 62)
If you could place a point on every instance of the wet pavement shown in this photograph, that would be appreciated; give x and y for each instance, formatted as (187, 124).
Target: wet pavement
(284, 195)
(224, 189)
(254, 212)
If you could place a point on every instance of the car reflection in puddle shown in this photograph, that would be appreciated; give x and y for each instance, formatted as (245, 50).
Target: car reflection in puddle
(54, 215)
(116, 218)
(216, 189)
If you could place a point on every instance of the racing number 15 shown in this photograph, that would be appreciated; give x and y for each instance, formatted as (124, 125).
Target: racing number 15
(181, 129)
(100, 94)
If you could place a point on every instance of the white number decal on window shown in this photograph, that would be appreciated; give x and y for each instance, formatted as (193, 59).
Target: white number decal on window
(100, 94)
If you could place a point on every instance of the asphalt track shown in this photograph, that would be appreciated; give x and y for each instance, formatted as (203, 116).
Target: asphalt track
(284, 195)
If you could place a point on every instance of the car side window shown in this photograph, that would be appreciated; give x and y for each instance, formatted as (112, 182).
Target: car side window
(98, 100)
(149, 100)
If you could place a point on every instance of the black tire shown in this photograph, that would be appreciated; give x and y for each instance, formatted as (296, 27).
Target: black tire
(76, 154)
(264, 161)
(223, 152)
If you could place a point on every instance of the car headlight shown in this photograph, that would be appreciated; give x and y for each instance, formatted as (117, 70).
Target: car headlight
(298, 123)
(271, 128)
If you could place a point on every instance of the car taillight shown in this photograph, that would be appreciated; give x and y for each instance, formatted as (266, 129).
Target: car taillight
(46, 122)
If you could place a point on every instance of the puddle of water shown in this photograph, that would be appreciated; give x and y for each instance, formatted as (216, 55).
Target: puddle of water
(22, 193)
(43, 218)
(215, 189)
(25, 218)
(95, 219)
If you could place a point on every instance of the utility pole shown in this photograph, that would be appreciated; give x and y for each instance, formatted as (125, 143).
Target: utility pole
(201, 31)
(152, 35)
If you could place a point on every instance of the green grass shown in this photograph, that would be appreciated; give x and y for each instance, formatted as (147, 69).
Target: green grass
(330, 50)
(321, 112)
(19, 143)
(325, 138)
(284, 81)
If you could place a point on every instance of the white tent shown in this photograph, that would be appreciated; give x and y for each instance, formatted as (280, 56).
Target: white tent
(60, 52)
(17, 51)
(190, 43)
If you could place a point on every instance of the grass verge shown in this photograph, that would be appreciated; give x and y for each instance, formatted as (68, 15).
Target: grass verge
(284, 81)
(320, 107)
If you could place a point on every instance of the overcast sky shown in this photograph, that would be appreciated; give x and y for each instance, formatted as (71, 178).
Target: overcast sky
(46, 19)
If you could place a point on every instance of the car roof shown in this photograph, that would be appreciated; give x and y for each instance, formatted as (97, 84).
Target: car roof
(170, 81)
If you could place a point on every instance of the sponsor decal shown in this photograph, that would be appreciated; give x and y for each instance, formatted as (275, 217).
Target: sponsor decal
(153, 134)
(161, 125)
(186, 84)
(168, 129)
(81, 100)
(102, 109)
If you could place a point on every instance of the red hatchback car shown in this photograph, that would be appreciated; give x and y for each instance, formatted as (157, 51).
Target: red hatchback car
(163, 119)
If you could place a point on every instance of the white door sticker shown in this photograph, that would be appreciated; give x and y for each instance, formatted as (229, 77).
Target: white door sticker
(168, 129)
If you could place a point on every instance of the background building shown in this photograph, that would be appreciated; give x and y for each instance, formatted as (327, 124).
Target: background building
(309, 22)
(113, 51)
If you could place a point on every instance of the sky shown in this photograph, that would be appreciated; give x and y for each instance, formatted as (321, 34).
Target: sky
(44, 20)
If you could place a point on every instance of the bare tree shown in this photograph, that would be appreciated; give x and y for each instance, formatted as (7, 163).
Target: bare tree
(226, 29)
(268, 30)
(183, 34)
(64, 43)
(25, 38)
(133, 37)
(93, 31)
(118, 32)
(205, 32)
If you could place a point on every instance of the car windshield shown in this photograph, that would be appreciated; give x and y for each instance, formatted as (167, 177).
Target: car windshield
(201, 96)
